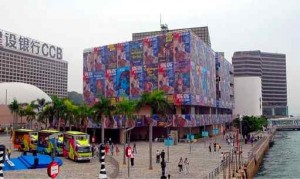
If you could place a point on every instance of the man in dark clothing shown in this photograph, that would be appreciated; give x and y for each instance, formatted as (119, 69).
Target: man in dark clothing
(162, 154)
(209, 147)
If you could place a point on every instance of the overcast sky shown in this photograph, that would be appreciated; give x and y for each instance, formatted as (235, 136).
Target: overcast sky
(267, 25)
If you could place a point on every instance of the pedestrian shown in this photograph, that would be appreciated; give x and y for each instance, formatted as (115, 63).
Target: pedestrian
(96, 151)
(117, 150)
(215, 146)
(180, 163)
(93, 150)
(209, 147)
(169, 176)
(106, 148)
(134, 148)
(157, 156)
(109, 141)
(112, 148)
(132, 159)
(186, 165)
(8, 153)
(252, 140)
(162, 155)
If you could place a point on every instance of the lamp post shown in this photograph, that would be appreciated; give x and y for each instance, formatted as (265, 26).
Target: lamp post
(127, 135)
(168, 146)
(241, 129)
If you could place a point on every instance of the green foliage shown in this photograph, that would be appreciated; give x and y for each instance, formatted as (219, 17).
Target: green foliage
(251, 122)
(156, 100)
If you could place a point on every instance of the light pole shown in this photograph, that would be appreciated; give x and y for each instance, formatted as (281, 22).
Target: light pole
(127, 135)
(241, 129)
(168, 144)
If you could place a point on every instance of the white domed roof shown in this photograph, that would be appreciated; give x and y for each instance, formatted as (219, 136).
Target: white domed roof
(22, 92)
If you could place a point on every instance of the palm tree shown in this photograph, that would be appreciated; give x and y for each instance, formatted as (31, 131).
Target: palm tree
(30, 113)
(69, 110)
(127, 108)
(14, 109)
(103, 109)
(57, 105)
(158, 104)
(45, 114)
(83, 113)
(21, 112)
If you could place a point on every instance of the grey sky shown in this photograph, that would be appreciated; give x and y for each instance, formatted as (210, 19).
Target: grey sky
(267, 25)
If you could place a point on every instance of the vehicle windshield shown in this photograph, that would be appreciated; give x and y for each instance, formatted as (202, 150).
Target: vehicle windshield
(83, 149)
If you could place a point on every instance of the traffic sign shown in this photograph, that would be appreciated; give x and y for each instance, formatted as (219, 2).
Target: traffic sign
(53, 169)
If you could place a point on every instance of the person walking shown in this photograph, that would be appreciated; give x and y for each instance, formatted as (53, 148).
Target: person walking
(8, 153)
(186, 165)
(180, 163)
(112, 146)
(134, 148)
(106, 148)
(157, 156)
(132, 159)
(117, 149)
(215, 146)
(162, 154)
(209, 147)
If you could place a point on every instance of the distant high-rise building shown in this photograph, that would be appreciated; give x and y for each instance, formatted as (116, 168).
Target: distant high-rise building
(201, 32)
(271, 67)
(26, 60)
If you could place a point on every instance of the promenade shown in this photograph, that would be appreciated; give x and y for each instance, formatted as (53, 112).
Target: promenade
(202, 162)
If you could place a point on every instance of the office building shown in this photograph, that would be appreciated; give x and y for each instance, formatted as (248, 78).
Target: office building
(247, 96)
(201, 32)
(271, 67)
(26, 60)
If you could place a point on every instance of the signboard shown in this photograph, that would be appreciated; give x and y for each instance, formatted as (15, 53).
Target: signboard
(53, 169)
(23, 44)
(204, 133)
(168, 142)
(215, 131)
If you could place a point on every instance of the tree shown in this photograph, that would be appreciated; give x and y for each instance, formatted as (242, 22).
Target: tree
(84, 112)
(158, 104)
(30, 113)
(57, 105)
(103, 109)
(69, 110)
(127, 108)
(14, 109)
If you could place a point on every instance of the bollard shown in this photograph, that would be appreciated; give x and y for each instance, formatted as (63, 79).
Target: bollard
(102, 174)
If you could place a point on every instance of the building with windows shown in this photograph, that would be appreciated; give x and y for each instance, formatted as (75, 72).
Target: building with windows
(197, 81)
(201, 32)
(271, 68)
(26, 60)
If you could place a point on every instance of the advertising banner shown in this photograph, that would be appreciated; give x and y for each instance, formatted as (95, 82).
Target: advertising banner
(88, 88)
(182, 77)
(181, 43)
(150, 79)
(165, 44)
(123, 54)
(166, 79)
(136, 53)
(136, 81)
(150, 51)
(123, 79)
(99, 80)
(111, 55)
(182, 99)
(110, 83)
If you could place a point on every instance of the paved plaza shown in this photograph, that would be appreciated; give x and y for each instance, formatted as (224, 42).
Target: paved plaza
(201, 162)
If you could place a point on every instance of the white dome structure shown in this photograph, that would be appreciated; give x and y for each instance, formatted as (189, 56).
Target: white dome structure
(22, 92)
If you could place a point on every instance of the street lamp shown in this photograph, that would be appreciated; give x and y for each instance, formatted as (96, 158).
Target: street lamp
(241, 129)
(168, 144)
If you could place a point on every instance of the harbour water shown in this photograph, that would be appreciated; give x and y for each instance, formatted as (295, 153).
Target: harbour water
(283, 158)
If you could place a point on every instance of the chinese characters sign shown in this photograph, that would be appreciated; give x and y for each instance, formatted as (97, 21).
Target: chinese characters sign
(24, 44)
